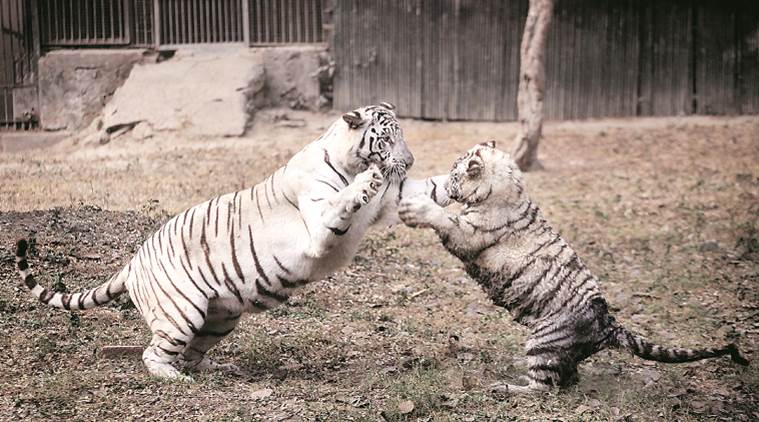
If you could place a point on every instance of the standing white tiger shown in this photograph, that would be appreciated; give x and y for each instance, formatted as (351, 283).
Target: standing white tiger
(246, 251)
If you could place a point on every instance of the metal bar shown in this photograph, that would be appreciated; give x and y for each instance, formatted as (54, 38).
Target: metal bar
(199, 21)
(265, 19)
(206, 21)
(276, 29)
(183, 26)
(102, 18)
(213, 26)
(175, 16)
(227, 21)
(126, 28)
(257, 20)
(229, 25)
(235, 19)
(239, 36)
(245, 21)
(113, 10)
(54, 6)
(302, 19)
(215, 21)
(293, 19)
(207, 27)
(309, 24)
(193, 21)
(157, 22)
(189, 22)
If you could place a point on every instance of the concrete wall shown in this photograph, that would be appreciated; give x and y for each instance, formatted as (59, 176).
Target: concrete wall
(74, 85)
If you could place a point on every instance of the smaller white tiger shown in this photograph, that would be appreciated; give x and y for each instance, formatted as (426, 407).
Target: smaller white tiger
(525, 266)
(247, 251)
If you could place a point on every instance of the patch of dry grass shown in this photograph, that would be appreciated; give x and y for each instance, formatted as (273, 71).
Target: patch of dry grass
(664, 211)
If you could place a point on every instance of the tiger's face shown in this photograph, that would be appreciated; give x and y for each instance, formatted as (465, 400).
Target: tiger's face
(483, 173)
(379, 139)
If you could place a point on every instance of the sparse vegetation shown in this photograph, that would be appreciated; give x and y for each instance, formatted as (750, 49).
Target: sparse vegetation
(402, 334)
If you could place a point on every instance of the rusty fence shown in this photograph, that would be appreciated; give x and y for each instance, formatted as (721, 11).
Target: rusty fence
(85, 22)
(18, 65)
(200, 21)
(286, 21)
(168, 23)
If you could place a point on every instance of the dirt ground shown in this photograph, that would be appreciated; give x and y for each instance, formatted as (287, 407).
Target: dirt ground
(664, 211)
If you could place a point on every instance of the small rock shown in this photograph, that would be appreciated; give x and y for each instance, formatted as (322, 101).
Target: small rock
(406, 407)
(708, 246)
(291, 123)
(261, 394)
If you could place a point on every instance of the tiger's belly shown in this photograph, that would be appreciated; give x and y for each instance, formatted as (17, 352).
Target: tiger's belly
(505, 275)
(274, 260)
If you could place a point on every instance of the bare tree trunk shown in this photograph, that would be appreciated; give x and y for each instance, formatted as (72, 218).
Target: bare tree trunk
(531, 84)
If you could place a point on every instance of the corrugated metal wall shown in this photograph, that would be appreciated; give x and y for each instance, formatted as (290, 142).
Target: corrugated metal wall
(459, 59)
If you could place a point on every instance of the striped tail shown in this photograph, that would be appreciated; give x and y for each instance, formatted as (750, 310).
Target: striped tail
(643, 348)
(100, 295)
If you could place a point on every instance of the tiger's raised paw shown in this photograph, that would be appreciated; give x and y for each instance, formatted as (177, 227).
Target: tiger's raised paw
(366, 185)
(417, 211)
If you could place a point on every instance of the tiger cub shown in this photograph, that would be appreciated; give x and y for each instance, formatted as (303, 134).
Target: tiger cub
(247, 251)
(526, 267)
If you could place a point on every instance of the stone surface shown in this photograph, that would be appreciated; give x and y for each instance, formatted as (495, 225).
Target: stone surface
(214, 91)
(292, 76)
(203, 92)
(74, 85)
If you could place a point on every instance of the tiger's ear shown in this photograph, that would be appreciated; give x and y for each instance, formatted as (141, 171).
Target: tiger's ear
(489, 144)
(474, 168)
(387, 105)
(353, 119)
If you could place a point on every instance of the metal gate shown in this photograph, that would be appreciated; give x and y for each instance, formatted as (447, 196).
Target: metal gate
(18, 65)
(173, 23)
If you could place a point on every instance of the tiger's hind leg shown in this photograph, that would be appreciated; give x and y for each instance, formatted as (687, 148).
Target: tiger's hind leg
(540, 377)
(163, 351)
(550, 362)
(217, 326)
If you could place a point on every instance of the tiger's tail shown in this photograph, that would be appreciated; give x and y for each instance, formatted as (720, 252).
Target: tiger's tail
(639, 346)
(88, 299)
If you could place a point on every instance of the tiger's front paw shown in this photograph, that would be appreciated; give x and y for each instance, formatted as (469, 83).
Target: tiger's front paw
(365, 185)
(417, 211)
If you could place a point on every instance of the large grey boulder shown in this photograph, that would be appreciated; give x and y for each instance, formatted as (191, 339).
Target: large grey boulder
(200, 92)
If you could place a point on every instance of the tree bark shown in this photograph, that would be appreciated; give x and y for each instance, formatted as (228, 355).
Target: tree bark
(531, 84)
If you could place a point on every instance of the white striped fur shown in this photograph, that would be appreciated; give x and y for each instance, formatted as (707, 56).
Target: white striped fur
(526, 267)
(247, 251)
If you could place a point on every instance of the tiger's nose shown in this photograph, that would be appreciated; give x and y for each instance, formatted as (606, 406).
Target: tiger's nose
(408, 160)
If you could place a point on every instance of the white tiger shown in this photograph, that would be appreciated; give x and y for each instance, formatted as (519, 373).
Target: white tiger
(246, 251)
